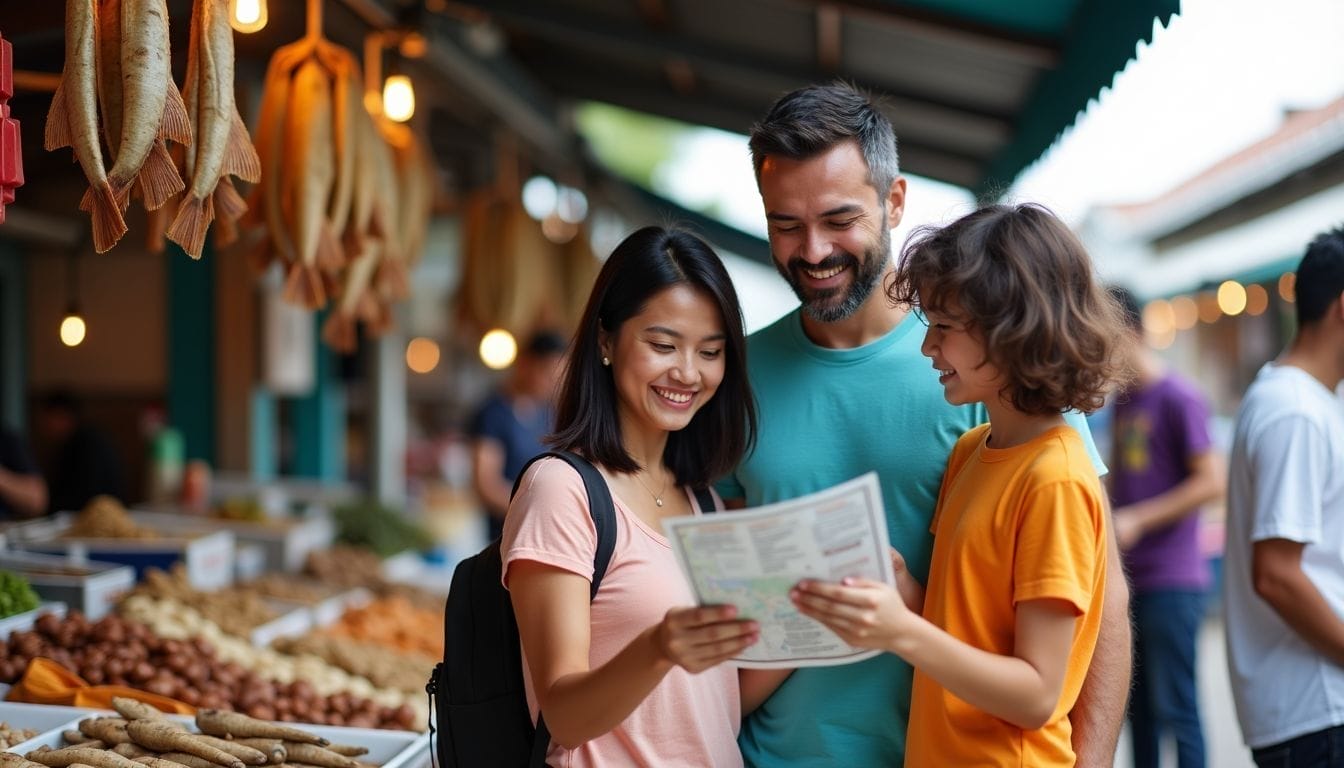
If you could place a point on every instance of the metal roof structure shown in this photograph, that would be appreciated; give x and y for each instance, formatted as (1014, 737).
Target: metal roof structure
(976, 89)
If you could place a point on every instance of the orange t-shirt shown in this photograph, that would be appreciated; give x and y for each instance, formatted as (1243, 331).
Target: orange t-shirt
(1012, 524)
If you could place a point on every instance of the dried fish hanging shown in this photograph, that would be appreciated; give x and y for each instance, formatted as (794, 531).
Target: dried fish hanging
(479, 293)
(389, 218)
(223, 147)
(531, 293)
(142, 112)
(357, 301)
(509, 276)
(151, 106)
(303, 142)
(415, 177)
(73, 121)
(578, 267)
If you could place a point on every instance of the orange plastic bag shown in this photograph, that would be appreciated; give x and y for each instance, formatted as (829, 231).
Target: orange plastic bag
(46, 682)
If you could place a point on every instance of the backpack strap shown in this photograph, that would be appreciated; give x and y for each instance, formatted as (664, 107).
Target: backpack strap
(603, 512)
(705, 499)
(600, 507)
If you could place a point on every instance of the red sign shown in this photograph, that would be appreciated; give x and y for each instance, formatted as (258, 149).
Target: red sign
(11, 152)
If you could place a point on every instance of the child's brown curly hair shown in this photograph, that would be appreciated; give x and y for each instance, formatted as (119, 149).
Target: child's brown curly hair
(1025, 286)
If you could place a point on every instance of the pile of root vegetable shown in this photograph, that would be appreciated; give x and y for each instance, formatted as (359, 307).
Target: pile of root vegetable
(142, 736)
(170, 650)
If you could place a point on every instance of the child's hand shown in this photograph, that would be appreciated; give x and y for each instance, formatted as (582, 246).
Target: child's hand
(865, 614)
(696, 639)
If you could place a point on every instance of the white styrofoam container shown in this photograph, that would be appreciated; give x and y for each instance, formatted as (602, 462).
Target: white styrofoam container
(331, 609)
(294, 619)
(285, 542)
(387, 749)
(22, 622)
(207, 554)
(93, 593)
(46, 719)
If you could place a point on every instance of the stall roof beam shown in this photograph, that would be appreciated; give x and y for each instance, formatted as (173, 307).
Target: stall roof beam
(638, 43)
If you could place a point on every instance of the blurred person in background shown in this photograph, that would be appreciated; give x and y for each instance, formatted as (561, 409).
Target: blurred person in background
(1283, 581)
(23, 491)
(1163, 470)
(83, 463)
(509, 426)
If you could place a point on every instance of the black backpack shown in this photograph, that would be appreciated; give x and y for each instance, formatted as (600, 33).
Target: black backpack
(481, 709)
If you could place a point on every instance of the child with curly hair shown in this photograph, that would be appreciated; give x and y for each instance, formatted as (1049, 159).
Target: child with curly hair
(1003, 636)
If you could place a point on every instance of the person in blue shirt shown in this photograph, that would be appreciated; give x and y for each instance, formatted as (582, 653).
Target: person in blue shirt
(842, 388)
(510, 424)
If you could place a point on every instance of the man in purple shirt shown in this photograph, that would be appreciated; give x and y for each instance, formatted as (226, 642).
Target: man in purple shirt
(1163, 468)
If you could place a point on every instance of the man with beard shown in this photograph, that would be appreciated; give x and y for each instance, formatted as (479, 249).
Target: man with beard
(842, 388)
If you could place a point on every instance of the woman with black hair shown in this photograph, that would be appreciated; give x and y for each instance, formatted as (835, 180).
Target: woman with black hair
(655, 395)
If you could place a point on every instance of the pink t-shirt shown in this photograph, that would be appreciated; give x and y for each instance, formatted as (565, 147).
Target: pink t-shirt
(687, 720)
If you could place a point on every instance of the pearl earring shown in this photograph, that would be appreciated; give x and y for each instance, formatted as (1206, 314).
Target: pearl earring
(606, 360)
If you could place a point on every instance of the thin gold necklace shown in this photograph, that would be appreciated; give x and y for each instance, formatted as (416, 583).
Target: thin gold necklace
(657, 497)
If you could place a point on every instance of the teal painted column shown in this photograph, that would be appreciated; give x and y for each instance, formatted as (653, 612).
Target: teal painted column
(191, 349)
(318, 420)
(262, 454)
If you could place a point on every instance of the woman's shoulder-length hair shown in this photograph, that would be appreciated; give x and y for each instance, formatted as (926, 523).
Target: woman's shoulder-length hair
(646, 263)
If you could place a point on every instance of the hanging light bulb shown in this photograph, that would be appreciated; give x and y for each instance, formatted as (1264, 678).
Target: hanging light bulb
(73, 328)
(247, 16)
(398, 98)
(498, 349)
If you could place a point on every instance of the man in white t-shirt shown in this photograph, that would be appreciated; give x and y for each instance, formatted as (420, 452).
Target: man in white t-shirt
(1284, 566)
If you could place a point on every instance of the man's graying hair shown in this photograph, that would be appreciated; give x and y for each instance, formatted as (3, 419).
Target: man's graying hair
(812, 120)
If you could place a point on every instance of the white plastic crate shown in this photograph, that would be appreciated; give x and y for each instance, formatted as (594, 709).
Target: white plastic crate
(46, 719)
(294, 619)
(207, 554)
(88, 587)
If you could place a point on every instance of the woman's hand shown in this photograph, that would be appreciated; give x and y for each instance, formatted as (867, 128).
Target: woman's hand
(864, 613)
(696, 639)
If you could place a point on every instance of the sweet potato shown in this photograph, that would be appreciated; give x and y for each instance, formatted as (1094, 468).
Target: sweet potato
(73, 736)
(236, 725)
(274, 749)
(348, 750)
(310, 754)
(132, 709)
(67, 756)
(132, 750)
(109, 730)
(15, 760)
(175, 760)
(241, 751)
(163, 737)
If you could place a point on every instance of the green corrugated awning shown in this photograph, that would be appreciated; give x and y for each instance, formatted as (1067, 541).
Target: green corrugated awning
(976, 89)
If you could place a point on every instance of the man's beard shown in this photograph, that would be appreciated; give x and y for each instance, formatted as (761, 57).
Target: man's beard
(822, 305)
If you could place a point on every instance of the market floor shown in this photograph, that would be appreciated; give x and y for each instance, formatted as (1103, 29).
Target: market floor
(1222, 735)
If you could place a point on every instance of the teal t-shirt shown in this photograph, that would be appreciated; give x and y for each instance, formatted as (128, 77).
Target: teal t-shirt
(826, 416)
